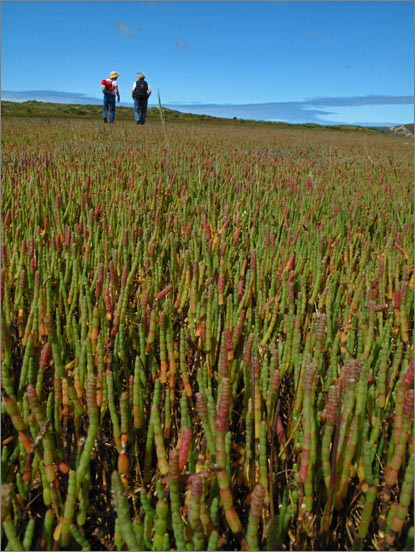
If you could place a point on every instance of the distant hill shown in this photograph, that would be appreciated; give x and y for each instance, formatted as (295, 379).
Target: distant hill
(401, 130)
(34, 108)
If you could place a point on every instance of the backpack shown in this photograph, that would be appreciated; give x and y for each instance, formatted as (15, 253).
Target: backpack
(141, 90)
(107, 86)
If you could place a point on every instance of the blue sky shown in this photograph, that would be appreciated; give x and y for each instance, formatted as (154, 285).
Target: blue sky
(299, 62)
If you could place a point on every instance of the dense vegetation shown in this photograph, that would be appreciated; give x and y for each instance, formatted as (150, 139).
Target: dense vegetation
(34, 109)
(206, 337)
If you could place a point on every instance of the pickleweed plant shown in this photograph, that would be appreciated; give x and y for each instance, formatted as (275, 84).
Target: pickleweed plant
(206, 336)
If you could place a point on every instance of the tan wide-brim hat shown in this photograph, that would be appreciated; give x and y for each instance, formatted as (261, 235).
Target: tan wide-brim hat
(140, 76)
(114, 75)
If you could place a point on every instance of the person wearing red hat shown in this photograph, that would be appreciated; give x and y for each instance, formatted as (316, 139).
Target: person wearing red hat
(110, 90)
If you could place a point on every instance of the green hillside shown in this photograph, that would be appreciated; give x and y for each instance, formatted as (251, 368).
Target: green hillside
(35, 109)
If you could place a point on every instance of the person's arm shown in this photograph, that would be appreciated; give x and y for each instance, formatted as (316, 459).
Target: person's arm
(149, 91)
(117, 92)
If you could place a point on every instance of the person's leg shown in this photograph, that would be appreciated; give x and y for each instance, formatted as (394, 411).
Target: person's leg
(143, 112)
(136, 111)
(105, 109)
(140, 111)
(112, 108)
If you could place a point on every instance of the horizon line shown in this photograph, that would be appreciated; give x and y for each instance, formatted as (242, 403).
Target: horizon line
(309, 110)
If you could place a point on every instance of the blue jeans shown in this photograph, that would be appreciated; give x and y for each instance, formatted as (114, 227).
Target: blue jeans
(109, 104)
(140, 111)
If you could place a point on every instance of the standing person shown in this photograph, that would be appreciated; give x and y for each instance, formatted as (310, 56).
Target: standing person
(110, 90)
(140, 93)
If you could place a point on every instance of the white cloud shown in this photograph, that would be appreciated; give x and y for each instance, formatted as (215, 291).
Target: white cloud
(124, 29)
(369, 110)
(181, 44)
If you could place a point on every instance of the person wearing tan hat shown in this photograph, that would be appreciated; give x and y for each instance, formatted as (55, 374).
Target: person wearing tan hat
(110, 90)
(140, 93)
